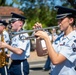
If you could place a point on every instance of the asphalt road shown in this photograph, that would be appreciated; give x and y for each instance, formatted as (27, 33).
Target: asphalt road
(36, 68)
(38, 71)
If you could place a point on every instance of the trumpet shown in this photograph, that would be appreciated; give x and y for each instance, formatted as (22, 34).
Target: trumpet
(29, 31)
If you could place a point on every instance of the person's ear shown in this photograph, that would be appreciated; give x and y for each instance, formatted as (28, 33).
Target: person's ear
(21, 24)
(71, 20)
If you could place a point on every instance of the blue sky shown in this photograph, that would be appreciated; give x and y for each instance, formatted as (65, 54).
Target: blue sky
(8, 1)
(57, 2)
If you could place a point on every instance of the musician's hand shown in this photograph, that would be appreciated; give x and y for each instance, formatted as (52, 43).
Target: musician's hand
(37, 26)
(8, 55)
(3, 44)
(41, 35)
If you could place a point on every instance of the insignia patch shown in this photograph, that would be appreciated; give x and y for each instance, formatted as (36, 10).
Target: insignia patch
(22, 37)
(75, 68)
(15, 45)
(75, 41)
(73, 47)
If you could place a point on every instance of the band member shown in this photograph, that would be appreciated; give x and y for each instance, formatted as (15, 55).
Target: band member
(5, 36)
(74, 27)
(20, 48)
(63, 50)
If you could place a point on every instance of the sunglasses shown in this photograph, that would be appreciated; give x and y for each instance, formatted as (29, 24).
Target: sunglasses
(59, 20)
(12, 21)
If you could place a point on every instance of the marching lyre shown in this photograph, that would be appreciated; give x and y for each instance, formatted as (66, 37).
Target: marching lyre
(29, 31)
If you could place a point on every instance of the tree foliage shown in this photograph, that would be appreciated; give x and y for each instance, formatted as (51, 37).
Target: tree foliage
(69, 3)
(2, 2)
(39, 10)
(73, 3)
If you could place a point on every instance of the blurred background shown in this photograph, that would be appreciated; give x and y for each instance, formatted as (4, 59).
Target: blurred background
(37, 10)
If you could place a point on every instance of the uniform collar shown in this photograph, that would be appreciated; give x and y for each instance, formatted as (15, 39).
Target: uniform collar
(72, 34)
(20, 29)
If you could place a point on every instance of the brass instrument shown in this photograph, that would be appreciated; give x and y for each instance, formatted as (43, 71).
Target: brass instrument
(2, 55)
(28, 31)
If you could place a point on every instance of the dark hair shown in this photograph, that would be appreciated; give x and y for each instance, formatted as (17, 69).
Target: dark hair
(74, 17)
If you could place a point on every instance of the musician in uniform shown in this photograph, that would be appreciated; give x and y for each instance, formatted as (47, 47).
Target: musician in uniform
(63, 50)
(4, 33)
(20, 47)
(74, 27)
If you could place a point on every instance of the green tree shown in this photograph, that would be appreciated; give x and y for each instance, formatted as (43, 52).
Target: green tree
(39, 10)
(2, 2)
(73, 3)
(69, 3)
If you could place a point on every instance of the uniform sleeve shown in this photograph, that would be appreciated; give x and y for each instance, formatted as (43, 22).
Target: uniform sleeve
(6, 37)
(24, 44)
(68, 51)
